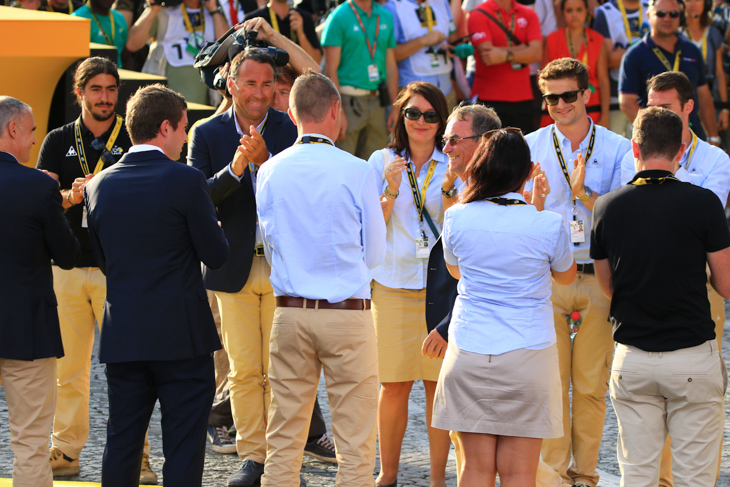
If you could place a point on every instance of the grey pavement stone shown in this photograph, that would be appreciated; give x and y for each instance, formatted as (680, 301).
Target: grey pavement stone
(414, 470)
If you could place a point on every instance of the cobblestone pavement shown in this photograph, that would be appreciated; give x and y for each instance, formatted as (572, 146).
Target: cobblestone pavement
(414, 459)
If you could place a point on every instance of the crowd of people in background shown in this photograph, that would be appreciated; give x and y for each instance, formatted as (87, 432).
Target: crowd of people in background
(482, 202)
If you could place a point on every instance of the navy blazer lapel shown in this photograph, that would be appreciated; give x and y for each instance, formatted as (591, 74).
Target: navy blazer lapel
(8, 157)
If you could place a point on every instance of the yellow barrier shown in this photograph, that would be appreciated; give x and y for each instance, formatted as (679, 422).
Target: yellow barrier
(39, 47)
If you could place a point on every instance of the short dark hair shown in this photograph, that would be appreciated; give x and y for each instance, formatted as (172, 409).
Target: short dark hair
(562, 68)
(149, 107)
(91, 67)
(672, 80)
(483, 118)
(433, 95)
(563, 2)
(658, 133)
(312, 95)
(255, 54)
(501, 164)
(287, 75)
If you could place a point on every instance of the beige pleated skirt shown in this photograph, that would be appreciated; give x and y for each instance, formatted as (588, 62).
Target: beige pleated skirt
(400, 326)
(517, 393)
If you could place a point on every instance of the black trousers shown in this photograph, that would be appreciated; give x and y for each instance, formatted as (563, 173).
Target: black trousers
(185, 389)
(518, 114)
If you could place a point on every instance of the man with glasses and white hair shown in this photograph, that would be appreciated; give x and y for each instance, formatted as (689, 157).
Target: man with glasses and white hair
(581, 161)
(663, 50)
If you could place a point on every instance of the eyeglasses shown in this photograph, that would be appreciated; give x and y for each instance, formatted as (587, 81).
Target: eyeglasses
(415, 114)
(551, 99)
(455, 139)
(106, 156)
(663, 13)
(509, 130)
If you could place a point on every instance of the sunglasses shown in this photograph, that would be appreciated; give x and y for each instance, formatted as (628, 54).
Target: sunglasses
(415, 114)
(551, 99)
(509, 130)
(106, 156)
(453, 140)
(663, 13)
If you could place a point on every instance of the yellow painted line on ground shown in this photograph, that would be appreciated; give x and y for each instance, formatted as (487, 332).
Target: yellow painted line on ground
(9, 483)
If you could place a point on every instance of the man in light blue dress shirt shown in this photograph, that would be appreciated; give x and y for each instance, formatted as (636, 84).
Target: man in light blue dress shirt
(581, 161)
(323, 230)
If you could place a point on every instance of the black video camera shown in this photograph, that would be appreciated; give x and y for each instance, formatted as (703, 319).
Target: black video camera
(222, 51)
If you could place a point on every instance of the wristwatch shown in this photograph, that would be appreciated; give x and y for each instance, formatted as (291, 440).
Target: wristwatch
(714, 140)
(216, 11)
(587, 194)
(510, 56)
(450, 193)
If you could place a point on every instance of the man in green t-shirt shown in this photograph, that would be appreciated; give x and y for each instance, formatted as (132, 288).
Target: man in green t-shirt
(359, 52)
(107, 25)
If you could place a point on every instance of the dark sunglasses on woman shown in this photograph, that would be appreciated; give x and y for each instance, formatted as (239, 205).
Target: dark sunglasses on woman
(415, 114)
(568, 97)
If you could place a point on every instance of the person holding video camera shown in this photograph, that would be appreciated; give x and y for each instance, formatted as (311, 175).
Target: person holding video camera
(180, 30)
(294, 23)
(229, 149)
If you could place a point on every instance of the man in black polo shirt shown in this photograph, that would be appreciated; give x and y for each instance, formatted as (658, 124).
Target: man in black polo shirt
(651, 242)
(73, 154)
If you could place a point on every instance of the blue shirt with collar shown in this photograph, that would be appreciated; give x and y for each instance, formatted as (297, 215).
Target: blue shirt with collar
(504, 254)
(321, 222)
(641, 63)
(603, 173)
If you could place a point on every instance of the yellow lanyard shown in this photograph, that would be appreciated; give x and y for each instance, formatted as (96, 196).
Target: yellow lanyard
(704, 45)
(691, 151)
(629, 34)
(109, 144)
(420, 198)
(644, 181)
(658, 53)
(186, 18)
(275, 25)
(103, 32)
(429, 16)
(511, 27)
(569, 38)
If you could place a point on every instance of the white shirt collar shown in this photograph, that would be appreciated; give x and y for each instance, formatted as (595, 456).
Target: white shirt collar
(143, 148)
(258, 128)
(565, 140)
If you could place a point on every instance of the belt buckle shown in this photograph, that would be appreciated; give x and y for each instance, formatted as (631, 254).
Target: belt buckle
(258, 251)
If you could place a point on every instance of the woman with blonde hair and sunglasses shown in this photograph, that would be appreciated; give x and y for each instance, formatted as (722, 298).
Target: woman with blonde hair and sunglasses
(499, 386)
(412, 169)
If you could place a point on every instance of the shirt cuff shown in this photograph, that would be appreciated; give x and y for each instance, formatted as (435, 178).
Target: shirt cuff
(230, 171)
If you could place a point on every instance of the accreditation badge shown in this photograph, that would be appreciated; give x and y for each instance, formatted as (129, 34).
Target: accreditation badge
(195, 42)
(434, 60)
(422, 250)
(577, 231)
(373, 74)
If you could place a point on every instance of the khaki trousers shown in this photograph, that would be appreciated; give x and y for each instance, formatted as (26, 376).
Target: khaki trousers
(30, 393)
(619, 123)
(80, 292)
(246, 318)
(717, 309)
(584, 363)
(680, 393)
(303, 341)
(366, 130)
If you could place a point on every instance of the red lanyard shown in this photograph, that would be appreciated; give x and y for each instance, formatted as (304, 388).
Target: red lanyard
(374, 46)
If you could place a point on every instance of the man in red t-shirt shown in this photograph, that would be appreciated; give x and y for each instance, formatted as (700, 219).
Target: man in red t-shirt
(502, 78)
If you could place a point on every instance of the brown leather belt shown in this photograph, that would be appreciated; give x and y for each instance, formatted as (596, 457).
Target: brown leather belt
(293, 302)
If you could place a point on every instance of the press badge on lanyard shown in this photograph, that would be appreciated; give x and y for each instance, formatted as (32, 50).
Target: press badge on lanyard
(422, 250)
(195, 42)
(373, 74)
(577, 231)
(419, 199)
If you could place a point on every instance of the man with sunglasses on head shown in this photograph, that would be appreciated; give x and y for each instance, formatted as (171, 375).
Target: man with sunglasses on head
(581, 161)
(663, 50)
(73, 154)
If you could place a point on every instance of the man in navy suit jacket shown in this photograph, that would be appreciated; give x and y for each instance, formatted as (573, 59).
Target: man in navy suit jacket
(229, 148)
(34, 232)
(151, 223)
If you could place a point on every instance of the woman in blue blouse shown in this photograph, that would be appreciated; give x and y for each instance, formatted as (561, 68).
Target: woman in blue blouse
(499, 386)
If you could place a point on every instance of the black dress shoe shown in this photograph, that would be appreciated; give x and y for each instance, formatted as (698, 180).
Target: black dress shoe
(248, 475)
(302, 482)
(394, 484)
